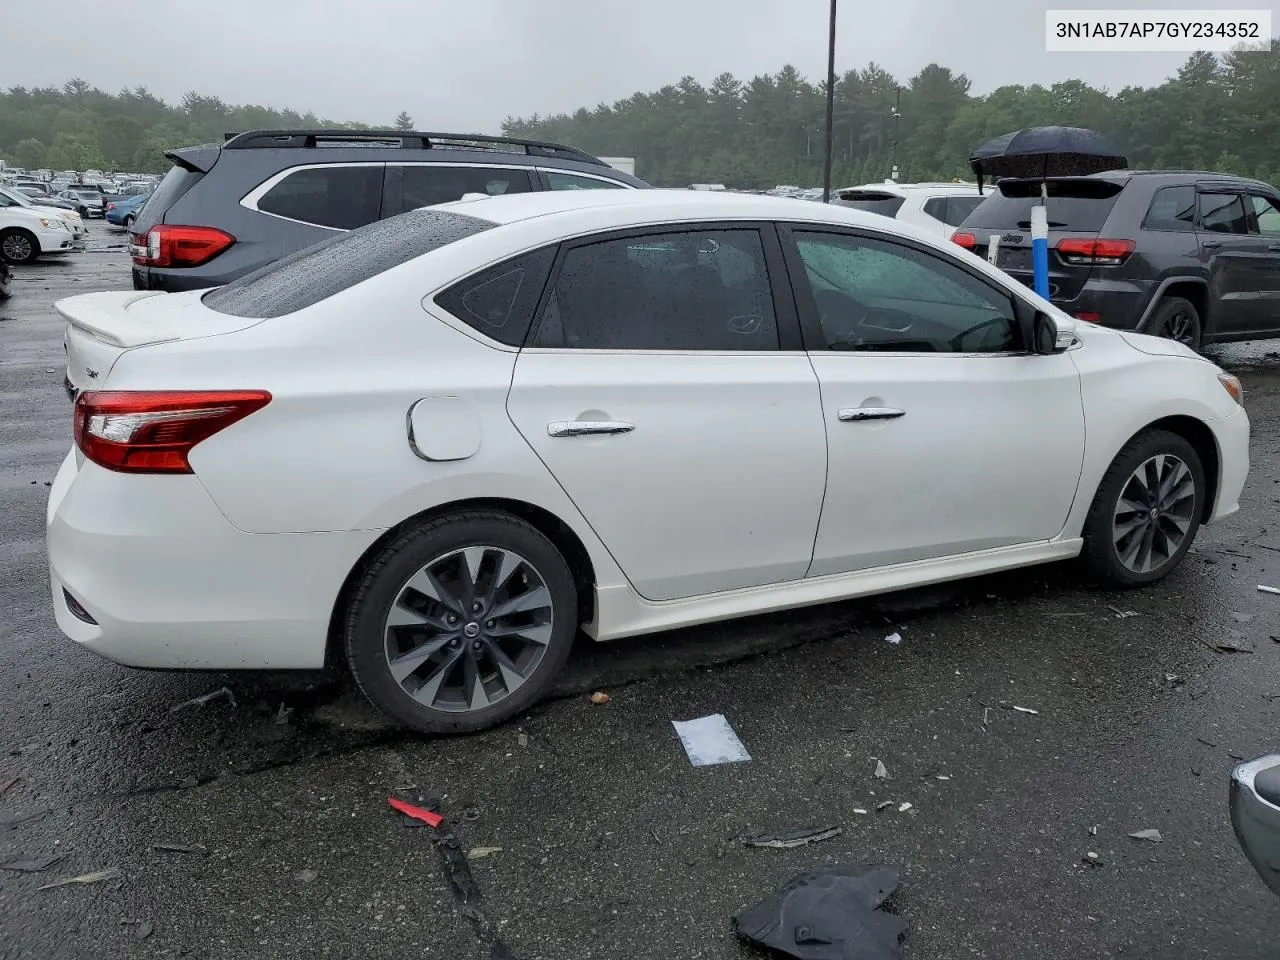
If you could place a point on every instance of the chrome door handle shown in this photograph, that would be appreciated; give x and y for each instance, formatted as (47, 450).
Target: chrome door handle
(583, 428)
(855, 414)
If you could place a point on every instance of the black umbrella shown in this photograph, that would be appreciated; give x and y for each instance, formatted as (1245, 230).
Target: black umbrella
(1045, 152)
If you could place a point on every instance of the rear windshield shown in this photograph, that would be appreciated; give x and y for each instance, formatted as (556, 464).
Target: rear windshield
(318, 272)
(1079, 205)
(175, 183)
(885, 204)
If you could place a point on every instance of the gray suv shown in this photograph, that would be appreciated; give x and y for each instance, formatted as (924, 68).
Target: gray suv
(1181, 254)
(224, 210)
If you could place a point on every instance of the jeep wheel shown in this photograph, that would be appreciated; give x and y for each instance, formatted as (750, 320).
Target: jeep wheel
(1177, 319)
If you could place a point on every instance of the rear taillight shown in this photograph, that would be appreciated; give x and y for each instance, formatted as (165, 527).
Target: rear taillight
(145, 431)
(1089, 316)
(966, 240)
(1083, 250)
(111, 206)
(169, 245)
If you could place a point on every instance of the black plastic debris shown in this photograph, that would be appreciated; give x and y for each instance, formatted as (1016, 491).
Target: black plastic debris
(830, 914)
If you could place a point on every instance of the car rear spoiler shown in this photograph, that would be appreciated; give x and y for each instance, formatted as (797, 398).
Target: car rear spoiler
(106, 317)
(198, 159)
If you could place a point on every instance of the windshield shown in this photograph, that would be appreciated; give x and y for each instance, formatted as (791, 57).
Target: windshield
(1081, 205)
(17, 197)
(32, 191)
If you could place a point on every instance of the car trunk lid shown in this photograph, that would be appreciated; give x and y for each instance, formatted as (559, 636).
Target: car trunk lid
(101, 327)
(1078, 208)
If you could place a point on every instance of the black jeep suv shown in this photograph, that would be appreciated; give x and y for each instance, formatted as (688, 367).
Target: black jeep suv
(226, 209)
(1180, 254)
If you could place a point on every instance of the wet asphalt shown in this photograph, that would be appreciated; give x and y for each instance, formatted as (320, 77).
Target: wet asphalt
(257, 825)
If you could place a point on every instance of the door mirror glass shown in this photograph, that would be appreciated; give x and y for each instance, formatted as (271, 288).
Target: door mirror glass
(1044, 334)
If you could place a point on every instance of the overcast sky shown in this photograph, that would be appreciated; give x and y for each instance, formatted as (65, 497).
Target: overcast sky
(464, 65)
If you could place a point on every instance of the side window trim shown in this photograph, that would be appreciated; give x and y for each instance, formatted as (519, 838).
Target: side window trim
(250, 200)
(785, 307)
(815, 339)
(546, 183)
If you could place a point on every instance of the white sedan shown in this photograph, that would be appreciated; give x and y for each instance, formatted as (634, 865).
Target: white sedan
(440, 445)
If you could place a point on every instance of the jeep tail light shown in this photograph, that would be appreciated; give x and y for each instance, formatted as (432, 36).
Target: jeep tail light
(169, 245)
(148, 431)
(1089, 316)
(966, 240)
(1084, 250)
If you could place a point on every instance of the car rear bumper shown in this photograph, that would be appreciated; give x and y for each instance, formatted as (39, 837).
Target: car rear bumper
(1120, 304)
(171, 584)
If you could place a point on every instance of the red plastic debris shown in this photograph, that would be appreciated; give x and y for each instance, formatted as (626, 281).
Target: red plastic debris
(428, 817)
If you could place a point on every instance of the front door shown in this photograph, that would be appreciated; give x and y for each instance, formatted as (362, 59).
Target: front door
(657, 391)
(944, 436)
(1233, 257)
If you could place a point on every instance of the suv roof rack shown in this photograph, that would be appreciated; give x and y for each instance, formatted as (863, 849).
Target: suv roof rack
(403, 139)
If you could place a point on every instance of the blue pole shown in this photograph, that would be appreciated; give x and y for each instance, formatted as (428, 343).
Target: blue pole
(1040, 249)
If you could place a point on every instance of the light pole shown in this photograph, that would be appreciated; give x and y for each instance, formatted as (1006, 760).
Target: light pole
(831, 106)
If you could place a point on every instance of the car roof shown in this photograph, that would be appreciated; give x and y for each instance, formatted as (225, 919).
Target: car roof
(638, 207)
(902, 189)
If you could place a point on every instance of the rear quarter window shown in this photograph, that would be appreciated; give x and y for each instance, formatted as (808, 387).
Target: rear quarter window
(318, 272)
(339, 196)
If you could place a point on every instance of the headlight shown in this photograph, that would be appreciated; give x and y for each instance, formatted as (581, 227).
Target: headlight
(53, 224)
(1232, 386)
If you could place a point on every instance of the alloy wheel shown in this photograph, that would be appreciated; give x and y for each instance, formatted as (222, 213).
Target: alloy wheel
(1154, 513)
(468, 629)
(1182, 328)
(16, 248)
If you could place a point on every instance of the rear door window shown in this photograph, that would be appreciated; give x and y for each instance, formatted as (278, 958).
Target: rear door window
(341, 197)
(1267, 215)
(428, 184)
(1080, 205)
(1172, 208)
(1223, 213)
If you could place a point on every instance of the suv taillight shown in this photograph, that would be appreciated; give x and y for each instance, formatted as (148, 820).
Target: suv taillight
(1083, 250)
(169, 245)
(966, 240)
(147, 431)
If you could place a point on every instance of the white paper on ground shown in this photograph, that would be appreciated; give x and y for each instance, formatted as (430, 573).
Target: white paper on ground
(710, 740)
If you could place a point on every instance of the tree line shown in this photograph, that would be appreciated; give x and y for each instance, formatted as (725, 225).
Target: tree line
(1217, 112)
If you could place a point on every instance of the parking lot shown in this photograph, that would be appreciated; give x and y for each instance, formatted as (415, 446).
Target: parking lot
(256, 824)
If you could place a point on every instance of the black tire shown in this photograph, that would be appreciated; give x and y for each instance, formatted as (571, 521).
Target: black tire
(1177, 319)
(365, 633)
(1102, 552)
(84, 212)
(12, 239)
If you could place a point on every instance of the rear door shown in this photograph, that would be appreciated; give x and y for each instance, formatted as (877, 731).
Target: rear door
(666, 390)
(1264, 220)
(1234, 258)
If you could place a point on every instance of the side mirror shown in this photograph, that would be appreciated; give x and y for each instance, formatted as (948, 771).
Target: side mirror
(1044, 334)
(1037, 330)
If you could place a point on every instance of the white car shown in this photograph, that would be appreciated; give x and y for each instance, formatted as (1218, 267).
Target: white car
(936, 207)
(74, 221)
(440, 445)
(28, 231)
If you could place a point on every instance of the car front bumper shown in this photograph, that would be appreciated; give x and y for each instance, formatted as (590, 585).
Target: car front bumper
(171, 584)
(57, 241)
(1232, 436)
